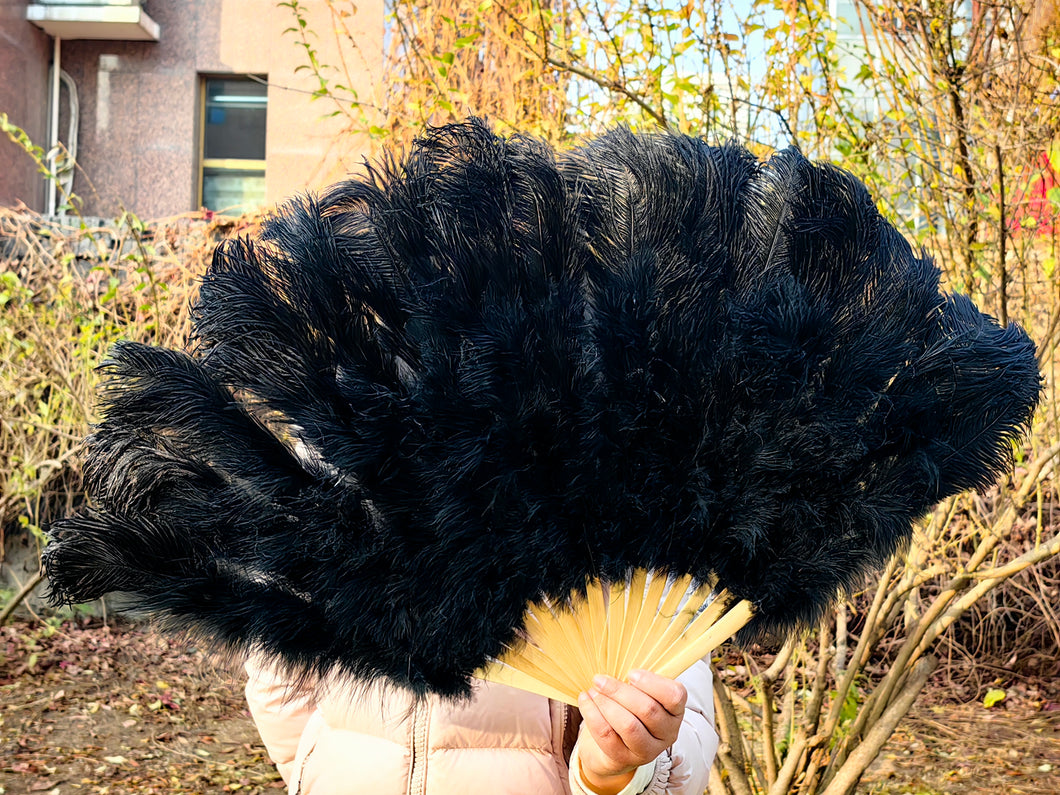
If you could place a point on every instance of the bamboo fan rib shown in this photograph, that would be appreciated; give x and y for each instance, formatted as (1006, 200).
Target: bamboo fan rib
(649, 622)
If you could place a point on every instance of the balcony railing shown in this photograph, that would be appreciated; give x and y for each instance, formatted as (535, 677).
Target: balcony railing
(123, 20)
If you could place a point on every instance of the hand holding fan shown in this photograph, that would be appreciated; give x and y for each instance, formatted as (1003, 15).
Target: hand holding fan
(432, 411)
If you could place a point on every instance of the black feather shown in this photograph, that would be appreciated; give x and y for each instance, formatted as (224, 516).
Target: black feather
(488, 371)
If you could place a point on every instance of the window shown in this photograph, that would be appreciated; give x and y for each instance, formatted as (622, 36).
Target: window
(232, 144)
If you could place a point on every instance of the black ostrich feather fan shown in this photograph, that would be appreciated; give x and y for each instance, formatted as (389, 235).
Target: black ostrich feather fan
(490, 373)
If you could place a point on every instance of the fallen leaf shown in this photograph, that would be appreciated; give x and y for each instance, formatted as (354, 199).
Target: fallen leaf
(993, 696)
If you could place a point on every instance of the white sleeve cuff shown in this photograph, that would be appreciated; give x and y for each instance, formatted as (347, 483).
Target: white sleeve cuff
(641, 778)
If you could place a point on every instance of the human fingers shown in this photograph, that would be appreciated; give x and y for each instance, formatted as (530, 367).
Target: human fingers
(642, 725)
(607, 754)
(657, 703)
(670, 693)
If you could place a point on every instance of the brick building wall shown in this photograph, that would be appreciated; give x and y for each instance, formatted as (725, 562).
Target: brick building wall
(25, 53)
(140, 102)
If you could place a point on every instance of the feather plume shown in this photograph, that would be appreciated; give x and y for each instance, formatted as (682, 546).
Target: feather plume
(489, 375)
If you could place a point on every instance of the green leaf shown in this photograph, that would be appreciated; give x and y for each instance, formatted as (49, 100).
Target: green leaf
(849, 710)
(993, 696)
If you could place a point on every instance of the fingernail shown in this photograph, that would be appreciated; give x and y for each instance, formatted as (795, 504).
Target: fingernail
(583, 697)
(600, 682)
(635, 676)
(593, 693)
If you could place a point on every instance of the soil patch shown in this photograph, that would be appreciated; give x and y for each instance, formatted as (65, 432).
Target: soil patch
(109, 709)
(943, 748)
(87, 707)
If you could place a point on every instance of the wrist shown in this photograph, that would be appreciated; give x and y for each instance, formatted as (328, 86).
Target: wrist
(631, 782)
(605, 783)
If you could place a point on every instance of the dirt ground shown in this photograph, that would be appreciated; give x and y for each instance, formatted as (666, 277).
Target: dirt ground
(967, 749)
(110, 709)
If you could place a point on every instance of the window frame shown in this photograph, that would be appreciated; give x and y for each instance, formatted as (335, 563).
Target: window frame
(218, 163)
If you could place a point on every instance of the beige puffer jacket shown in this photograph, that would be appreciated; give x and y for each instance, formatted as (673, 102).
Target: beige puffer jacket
(505, 741)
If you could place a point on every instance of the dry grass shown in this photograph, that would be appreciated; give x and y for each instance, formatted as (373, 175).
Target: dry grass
(67, 294)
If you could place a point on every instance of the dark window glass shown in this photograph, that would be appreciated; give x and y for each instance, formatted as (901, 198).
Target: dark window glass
(235, 119)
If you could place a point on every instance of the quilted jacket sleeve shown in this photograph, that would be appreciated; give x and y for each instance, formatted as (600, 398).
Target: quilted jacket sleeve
(280, 712)
(685, 768)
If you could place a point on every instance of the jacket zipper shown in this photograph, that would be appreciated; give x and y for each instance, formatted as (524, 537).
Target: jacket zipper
(418, 765)
(563, 731)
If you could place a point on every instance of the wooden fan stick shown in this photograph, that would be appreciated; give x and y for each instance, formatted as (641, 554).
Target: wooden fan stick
(504, 674)
(616, 618)
(698, 647)
(642, 628)
(548, 650)
(571, 638)
(676, 616)
(555, 674)
(527, 667)
(633, 606)
(575, 635)
(658, 625)
(597, 626)
(688, 624)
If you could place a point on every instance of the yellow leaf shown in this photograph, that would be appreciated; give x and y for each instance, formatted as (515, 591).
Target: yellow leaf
(993, 696)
